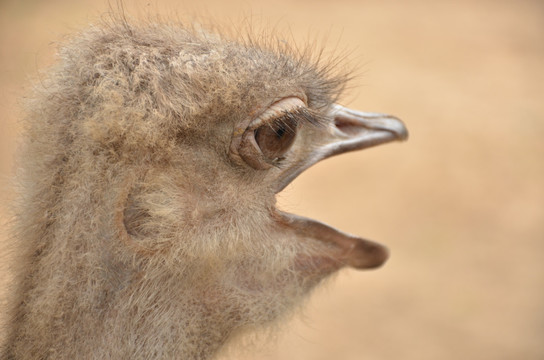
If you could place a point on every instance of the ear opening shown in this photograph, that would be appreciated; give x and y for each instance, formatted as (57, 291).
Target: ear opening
(127, 219)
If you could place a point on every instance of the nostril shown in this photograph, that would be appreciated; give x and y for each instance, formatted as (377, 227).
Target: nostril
(347, 125)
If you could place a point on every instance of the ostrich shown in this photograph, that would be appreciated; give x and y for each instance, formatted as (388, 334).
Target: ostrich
(147, 225)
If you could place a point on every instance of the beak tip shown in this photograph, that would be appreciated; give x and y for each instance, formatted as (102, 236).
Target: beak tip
(371, 256)
(403, 135)
(398, 128)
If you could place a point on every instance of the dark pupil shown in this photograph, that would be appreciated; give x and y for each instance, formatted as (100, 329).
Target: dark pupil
(280, 132)
(276, 138)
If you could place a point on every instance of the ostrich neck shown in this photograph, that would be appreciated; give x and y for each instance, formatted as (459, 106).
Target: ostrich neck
(89, 297)
(95, 318)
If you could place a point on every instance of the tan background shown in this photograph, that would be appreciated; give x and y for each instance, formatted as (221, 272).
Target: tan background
(461, 205)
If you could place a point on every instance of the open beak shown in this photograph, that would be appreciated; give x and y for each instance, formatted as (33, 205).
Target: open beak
(350, 130)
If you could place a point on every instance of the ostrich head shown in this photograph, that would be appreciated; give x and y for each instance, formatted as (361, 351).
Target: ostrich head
(155, 156)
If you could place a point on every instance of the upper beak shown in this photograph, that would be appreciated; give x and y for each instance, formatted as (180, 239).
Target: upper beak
(350, 130)
(356, 130)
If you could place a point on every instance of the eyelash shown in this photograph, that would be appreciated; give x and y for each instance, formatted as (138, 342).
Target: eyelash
(300, 116)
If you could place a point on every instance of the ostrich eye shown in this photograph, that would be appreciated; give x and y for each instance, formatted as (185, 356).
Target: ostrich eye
(265, 142)
(275, 138)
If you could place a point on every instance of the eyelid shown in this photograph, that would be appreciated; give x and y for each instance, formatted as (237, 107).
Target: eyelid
(300, 115)
(277, 110)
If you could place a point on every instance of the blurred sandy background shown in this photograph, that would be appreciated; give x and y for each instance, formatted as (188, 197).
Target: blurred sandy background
(461, 204)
